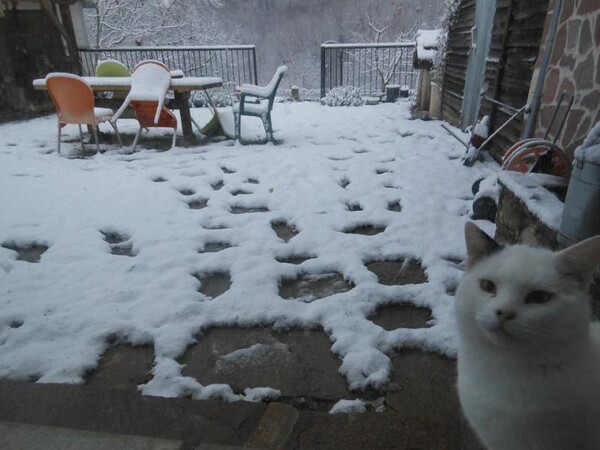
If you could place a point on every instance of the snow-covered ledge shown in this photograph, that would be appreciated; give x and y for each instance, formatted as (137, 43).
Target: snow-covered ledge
(529, 208)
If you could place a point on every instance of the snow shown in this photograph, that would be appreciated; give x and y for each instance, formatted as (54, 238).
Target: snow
(80, 294)
(264, 91)
(261, 394)
(192, 47)
(428, 38)
(348, 406)
(489, 188)
(427, 43)
(125, 82)
(369, 45)
(589, 151)
(344, 96)
(529, 188)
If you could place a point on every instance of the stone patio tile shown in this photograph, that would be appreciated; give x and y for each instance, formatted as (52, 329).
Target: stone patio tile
(424, 384)
(31, 252)
(311, 287)
(298, 363)
(398, 272)
(23, 436)
(115, 411)
(401, 316)
(123, 367)
(369, 430)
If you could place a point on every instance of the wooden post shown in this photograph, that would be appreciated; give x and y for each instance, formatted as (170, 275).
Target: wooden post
(182, 100)
(322, 72)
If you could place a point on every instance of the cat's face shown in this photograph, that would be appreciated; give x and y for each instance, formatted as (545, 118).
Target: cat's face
(522, 296)
(519, 295)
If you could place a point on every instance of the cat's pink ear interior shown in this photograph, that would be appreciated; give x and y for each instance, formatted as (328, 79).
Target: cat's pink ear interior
(580, 260)
(479, 244)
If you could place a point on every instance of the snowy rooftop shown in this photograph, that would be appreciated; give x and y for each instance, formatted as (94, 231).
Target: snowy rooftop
(126, 238)
(427, 43)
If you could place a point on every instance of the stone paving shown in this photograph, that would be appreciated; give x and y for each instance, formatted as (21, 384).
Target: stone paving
(418, 409)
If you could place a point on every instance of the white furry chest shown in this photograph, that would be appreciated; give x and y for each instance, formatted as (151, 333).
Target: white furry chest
(518, 407)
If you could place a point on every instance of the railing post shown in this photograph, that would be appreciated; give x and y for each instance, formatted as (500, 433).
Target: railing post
(341, 83)
(322, 71)
(255, 71)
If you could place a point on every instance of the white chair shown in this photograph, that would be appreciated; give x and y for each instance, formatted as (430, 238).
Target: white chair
(262, 109)
(150, 81)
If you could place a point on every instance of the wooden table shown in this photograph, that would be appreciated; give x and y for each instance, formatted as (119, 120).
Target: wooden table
(180, 86)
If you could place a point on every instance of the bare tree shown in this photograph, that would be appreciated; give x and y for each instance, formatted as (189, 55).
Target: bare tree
(382, 21)
(155, 22)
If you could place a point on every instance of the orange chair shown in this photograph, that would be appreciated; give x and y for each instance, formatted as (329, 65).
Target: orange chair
(150, 81)
(74, 102)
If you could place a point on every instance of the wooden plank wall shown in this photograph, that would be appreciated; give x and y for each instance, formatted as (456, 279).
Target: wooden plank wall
(457, 58)
(30, 47)
(521, 46)
(518, 45)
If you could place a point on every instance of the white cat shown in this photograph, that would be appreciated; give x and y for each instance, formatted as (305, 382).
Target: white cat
(528, 354)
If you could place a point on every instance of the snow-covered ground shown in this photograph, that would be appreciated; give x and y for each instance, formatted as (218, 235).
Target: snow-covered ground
(56, 315)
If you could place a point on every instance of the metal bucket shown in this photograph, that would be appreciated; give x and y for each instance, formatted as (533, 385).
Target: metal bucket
(581, 214)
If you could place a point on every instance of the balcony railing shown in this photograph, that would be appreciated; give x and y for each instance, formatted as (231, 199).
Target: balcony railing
(233, 63)
(369, 67)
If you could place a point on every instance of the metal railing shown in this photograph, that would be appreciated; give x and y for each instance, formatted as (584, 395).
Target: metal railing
(367, 66)
(233, 63)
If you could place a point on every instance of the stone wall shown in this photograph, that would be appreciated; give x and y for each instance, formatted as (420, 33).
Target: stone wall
(515, 224)
(574, 67)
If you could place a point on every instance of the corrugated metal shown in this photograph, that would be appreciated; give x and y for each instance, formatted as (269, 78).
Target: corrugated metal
(519, 48)
(457, 58)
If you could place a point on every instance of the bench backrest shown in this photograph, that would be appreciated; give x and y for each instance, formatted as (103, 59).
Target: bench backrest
(274, 84)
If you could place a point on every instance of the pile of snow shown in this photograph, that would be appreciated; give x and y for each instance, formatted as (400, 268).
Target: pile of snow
(427, 44)
(348, 406)
(343, 96)
(589, 151)
(530, 188)
(58, 316)
(219, 97)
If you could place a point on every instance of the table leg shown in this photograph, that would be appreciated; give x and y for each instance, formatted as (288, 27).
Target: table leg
(182, 100)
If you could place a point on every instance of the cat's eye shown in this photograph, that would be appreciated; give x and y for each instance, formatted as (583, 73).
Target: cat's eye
(538, 297)
(487, 286)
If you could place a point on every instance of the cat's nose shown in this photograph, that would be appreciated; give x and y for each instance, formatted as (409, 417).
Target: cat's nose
(504, 315)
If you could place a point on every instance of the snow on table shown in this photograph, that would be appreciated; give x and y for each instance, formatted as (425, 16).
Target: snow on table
(124, 83)
(56, 315)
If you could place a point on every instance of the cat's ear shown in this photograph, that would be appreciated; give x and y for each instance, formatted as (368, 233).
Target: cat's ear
(479, 244)
(580, 260)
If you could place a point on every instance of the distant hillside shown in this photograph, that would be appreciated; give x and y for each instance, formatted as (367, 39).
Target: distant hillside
(284, 31)
(291, 31)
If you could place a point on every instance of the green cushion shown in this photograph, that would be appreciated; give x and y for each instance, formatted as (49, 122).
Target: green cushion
(112, 68)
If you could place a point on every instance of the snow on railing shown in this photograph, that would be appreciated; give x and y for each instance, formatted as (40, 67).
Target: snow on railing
(233, 63)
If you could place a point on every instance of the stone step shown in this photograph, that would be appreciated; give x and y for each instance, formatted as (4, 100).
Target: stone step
(370, 430)
(94, 415)
(274, 427)
(24, 436)
(126, 413)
